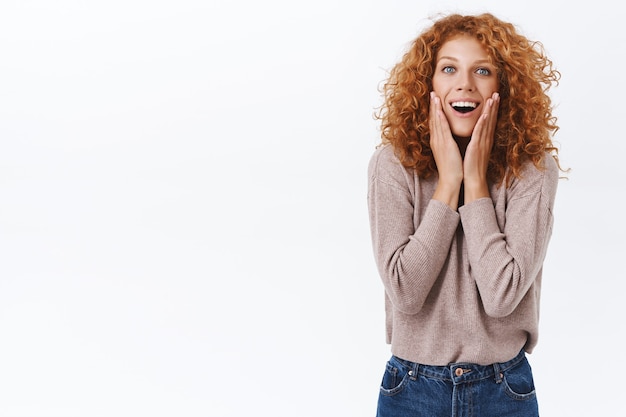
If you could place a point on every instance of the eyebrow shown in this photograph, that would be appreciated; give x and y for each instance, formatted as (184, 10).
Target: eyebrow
(451, 58)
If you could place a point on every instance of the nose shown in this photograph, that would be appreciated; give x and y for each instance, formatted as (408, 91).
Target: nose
(465, 82)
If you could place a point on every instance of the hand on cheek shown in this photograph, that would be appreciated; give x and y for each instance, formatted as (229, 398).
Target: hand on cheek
(479, 151)
(446, 153)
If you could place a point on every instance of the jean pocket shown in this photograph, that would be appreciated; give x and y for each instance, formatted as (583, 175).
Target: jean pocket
(518, 382)
(395, 378)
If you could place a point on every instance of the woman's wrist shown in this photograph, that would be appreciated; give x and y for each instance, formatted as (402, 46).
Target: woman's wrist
(448, 193)
(474, 190)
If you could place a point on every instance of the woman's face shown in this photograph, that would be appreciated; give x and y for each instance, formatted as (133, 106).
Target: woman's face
(464, 79)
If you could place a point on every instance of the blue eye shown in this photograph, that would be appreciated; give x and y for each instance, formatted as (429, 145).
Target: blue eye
(483, 71)
(448, 70)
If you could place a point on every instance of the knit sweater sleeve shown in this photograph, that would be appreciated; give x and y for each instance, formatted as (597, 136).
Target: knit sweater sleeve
(409, 252)
(506, 250)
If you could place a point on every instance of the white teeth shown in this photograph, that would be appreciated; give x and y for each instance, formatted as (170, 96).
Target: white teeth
(464, 104)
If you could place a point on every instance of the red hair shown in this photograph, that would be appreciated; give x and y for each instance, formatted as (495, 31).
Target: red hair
(525, 123)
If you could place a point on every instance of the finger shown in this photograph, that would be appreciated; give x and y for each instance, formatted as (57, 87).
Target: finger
(493, 113)
(486, 124)
(431, 110)
(440, 122)
(434, 119)
(480, 129)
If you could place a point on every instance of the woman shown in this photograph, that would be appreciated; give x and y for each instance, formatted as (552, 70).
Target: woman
(460, 199)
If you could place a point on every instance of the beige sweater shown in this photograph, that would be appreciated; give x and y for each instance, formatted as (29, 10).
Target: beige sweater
(460, 286)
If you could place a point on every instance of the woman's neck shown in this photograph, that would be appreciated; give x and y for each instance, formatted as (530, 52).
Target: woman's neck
(462, 142)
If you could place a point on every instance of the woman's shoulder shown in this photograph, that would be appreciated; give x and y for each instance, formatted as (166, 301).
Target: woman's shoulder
(384, 159)
(385, 167)
(542, 177)
(547, 168)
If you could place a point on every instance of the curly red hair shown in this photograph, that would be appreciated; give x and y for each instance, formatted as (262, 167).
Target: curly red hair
(525, 123)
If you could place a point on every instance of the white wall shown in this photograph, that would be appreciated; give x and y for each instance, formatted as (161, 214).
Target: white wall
(183, 225)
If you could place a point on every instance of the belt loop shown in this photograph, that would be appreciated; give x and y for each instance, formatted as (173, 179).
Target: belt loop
(496, 370)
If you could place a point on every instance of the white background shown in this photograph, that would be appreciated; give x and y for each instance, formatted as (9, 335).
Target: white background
(183, 220)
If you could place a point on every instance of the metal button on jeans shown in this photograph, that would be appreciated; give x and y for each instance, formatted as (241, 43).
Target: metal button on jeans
(458, 372)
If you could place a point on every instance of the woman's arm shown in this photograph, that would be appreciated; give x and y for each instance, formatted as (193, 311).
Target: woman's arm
(506, 260)
(409, 258)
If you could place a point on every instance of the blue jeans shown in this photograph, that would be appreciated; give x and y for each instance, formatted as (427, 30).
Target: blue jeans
(458, 390)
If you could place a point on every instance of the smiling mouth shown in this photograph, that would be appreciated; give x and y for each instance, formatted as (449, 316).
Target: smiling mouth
(464, 106)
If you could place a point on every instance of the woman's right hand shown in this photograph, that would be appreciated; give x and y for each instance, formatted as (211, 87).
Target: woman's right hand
(447, 155)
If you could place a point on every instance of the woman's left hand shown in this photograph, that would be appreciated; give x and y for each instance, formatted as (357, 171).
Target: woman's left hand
(478, 152)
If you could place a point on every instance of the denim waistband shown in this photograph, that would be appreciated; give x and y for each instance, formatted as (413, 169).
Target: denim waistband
(461, 372)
